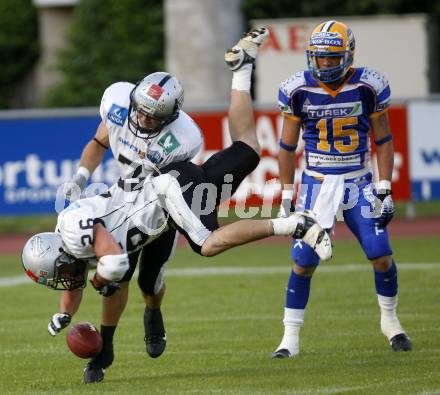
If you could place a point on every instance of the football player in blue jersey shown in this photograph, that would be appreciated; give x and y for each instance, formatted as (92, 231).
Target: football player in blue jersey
(337, 106)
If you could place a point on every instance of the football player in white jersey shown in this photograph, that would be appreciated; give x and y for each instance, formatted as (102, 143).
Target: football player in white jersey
(142, 122)
(103, 229)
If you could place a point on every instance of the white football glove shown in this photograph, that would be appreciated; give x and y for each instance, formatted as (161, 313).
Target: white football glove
(384, 194)
(58, 322)
(72, 189)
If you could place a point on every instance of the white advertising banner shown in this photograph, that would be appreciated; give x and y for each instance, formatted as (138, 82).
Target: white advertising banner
(424, 146)
(394, 45)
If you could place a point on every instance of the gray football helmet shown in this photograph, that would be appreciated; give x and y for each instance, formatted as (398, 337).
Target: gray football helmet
(160, 97)
(46, 263)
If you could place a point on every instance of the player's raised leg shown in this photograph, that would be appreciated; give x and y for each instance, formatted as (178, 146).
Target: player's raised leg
(210, 243)
(240, 59)
(234, 163)
(300, 226)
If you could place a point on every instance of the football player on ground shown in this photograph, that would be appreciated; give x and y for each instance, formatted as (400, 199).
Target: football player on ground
(137, 121)
(137, 211)
(337, 105)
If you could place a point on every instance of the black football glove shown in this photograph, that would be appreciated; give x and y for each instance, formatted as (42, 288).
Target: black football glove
(58, 322)
(387, 208)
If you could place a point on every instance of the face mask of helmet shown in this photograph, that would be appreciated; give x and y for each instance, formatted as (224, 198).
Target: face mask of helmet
(69, 273)
(159, 97)
(329, 74)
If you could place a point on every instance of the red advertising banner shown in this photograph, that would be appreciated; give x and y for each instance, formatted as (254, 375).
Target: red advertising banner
(399, 126)
(263, 185)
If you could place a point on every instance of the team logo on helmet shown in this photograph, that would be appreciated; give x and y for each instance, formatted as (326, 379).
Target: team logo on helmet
(155, 91)
(38, 248)
(333, 39)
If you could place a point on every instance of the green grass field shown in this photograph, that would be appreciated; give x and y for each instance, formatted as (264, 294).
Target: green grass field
(222, 327)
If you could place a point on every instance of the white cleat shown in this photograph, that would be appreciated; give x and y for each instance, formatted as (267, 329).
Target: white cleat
(313, 235)
(246, 50)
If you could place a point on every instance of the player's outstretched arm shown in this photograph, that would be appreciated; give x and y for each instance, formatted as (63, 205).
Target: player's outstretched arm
(94, 151)
(91, 157)
(69, 305)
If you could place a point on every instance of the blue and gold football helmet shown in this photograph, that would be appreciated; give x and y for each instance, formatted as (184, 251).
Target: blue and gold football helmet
(331, 38)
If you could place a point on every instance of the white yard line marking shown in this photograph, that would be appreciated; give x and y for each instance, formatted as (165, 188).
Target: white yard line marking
(248, 271)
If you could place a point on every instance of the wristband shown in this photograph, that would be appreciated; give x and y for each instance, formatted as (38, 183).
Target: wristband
(384, 140)
(287, 147)
(384, 184)
(83, 171)
(99, 143)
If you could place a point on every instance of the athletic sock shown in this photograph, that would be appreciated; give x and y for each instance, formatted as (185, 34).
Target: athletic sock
(241, 79)
(153, 322)
(286, 226)
(293, 320)
(389, 323)
(298, 291)
(105, 358)
(297, 296)
(386, 289)
(107, 333)
(386, 282)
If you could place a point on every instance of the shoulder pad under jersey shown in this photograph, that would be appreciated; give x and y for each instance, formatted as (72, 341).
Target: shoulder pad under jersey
(375, 79)
(287, 89)
(115, 97)
(293, 82)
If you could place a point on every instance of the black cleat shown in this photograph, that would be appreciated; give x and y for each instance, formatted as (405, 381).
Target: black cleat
(155, 345)
(93, 374)
(155, 339)
(95, 369)
(401, 342)
(281, 354)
